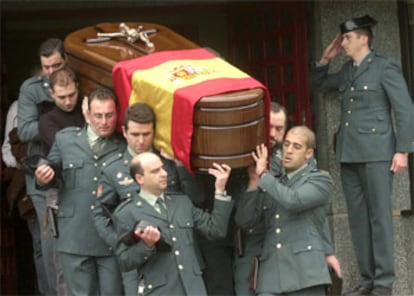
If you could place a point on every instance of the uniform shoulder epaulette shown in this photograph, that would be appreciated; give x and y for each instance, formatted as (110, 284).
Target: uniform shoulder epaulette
(115, 157)
(70, 129)
(32, 80)
(122, 205)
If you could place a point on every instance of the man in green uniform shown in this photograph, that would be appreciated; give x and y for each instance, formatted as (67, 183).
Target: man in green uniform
(89, 265)
(170, 268)
(293, 211)
(35, 98)
(372, 87)
(117, 185)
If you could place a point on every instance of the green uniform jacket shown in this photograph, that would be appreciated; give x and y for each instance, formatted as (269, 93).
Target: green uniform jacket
(34, 93)
(80, 170)
(116, 185)
(366, 131)
(175, 272)
(293, 255)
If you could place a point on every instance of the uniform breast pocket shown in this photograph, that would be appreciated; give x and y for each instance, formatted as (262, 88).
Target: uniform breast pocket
(70, 170)
(186, 227)
(375, 123)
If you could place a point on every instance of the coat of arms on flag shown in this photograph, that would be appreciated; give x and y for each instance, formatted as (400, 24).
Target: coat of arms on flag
(174, 82)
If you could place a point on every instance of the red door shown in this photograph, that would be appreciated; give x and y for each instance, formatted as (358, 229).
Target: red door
(268, 41)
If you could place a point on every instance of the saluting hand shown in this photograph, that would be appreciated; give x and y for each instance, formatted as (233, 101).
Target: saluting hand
(332, 51)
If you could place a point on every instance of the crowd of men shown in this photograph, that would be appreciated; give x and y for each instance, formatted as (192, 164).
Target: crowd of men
(117, 217)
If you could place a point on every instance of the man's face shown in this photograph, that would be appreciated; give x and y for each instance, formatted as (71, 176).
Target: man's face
(277, 128)
(65, 97)
(139, 136)
(295, 152)
(52, 63)
(154, 179)
(353, 43)
(102, 115)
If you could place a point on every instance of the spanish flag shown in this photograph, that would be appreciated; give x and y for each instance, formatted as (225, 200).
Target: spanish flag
(172, 82)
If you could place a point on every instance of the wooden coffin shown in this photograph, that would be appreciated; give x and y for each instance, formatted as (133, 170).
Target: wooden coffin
(226, 127)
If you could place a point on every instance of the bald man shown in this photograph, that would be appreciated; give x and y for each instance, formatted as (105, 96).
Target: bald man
(162, 245)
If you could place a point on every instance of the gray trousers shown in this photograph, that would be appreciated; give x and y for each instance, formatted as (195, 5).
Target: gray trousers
(368, 189)
(41, 279)
(54, 276)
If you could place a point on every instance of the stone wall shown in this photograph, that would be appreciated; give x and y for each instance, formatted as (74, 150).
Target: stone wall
(327, 15)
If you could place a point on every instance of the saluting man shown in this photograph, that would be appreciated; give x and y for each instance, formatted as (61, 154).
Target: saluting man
(370, 153)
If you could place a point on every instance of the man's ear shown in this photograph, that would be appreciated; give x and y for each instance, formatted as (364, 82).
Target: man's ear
(139, 179)
(309, 153)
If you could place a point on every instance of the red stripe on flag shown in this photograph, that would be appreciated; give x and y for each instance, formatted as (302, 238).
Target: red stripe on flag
(123, 71)
(182, 117)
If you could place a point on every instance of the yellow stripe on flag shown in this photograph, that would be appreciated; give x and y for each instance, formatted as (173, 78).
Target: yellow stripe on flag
(156, 87)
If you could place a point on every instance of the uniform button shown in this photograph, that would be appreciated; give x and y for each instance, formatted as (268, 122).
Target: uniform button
(188, 224)
(145, 258)
(71, 165)
(96, 164)
(149, 286)
(139, 203)
(173, 182)
(351, 100)
(95, 156)
(279, 245)
(374, 130)
(309, 247)
(95, 179)
(177, 253)
(174, 239)
(180, 267)
(45, 84)
(104, 164)
(346, 123)
(94, 192)
(128, 194)
(277, 216)
(264, 207)
(92, 207)
(349, 111)
(125, 161)
(250, 230)
(171, 226)
(365, 87)
(352, 88)
(277, 230)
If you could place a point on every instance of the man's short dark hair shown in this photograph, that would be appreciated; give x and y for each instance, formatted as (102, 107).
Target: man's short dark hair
(139, 113)
(50, 46)
(276, 108)
(135, 168)
(63, 77)
(367, 32)
(102, 94)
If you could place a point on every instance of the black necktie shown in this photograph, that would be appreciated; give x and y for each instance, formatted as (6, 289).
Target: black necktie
(98, 146)
(354, 69)
(162, 207)
(284, 179)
